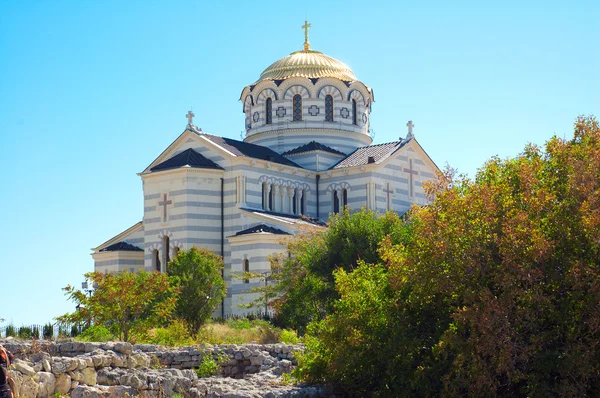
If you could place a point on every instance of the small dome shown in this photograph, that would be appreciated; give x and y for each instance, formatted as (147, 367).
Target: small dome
(310, 64)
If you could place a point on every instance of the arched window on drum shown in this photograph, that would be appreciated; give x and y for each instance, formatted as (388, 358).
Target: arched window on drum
(269, 111)
(328, 108)
(297, 108)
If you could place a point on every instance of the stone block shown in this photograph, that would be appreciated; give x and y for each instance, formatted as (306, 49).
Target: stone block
(63, 384)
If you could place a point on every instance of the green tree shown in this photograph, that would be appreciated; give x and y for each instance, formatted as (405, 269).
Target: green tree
(127, 302)
(495, 293)
(304, 280)
(197, 274)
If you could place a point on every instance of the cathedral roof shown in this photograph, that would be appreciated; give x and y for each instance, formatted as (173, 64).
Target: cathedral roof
(122, 246)
(310, 64)
(240, 148)
(369, 154)
(262, 228)
(189, 157)
(313, 146)
(286, 218)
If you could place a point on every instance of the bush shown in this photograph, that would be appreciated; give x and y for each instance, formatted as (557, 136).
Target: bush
(97, 333)
(25, 333)
(289, 337)
(11, 331)
(209, 366)
(74, 330)
(35, 332)
(176, 334)
(48, 331)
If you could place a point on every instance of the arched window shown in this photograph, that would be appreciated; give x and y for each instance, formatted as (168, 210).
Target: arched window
(246, 269)
(297, 106)
(344, 198)
(354, 111)
(294, 204)
(336, 202)
(328, 108)
(176, 251)
(303, 203)
(156, 260)
(271, 197)
(166, 257)
(269, 111)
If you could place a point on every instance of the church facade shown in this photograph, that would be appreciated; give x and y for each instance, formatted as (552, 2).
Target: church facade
(306, 154)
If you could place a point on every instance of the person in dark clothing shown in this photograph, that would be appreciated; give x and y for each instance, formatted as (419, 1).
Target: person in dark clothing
(6, 359)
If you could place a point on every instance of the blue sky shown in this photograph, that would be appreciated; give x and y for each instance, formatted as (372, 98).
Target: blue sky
(92, 92)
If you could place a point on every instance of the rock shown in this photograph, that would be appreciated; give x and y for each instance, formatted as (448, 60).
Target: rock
(133, 380)
(59, 366)
(63, 384)
(46, 365)
(89, 376)
(123, 348)
(122, 391)
(76, 375)
(29, 387)
(23, 367)
(87, 392)
(47, 384)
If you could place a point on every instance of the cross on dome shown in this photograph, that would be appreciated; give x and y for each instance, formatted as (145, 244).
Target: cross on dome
(306, 27)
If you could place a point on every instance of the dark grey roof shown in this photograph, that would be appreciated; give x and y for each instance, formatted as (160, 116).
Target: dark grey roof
(262, 228)
(122, 246)
(240, 148)
(313, 146)
(287, 217)
(361, 155)
(189, 157)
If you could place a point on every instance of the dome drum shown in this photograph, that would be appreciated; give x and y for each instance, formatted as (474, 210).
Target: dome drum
(307, 91)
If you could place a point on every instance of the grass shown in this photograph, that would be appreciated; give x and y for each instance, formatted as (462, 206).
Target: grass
(232, 331)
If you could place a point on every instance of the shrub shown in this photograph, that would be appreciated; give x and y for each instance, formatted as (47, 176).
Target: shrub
(209, 366)
(176, 334)
(35, 332)
(97, 333)
(25, 332)
(11, 331)
(74, 331)
(48, 331)
(289, 337)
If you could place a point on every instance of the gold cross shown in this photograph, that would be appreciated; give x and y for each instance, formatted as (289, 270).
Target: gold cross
(306, 26)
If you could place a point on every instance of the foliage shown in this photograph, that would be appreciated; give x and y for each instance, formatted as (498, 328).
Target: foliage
(239, 331)
(25, 332)
(496, 291)
(209, 366)
(289, 337)
(48, 331)
(126, 302)
(74, 330)
(11, 331)
(197, 274)
(98, 333)
(175, 334)
(305, 280)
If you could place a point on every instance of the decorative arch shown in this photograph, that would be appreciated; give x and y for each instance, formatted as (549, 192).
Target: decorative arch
(338, 186)
(296, 90)
(266, 93)
(296, 81)
(330, 90)
(356, 95)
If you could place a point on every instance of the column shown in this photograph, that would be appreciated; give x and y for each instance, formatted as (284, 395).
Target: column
(268, 195)
(290, 198)
(276, 199)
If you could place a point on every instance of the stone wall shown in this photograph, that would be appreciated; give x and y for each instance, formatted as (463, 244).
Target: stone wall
(115, 369)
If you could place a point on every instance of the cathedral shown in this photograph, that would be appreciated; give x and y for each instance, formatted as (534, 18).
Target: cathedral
(306, 154)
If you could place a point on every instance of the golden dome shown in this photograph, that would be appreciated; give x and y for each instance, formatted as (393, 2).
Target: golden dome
(310, 64)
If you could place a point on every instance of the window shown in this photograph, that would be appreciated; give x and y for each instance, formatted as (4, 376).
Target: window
(303, 203)
(340, 199)
(297, 107)
(271, 198)
(166, 250)
(269, 111)
(328, 108)
(176, 251)
(246, 269)
(294, 204)
(264, 196)
(155, 260)
(354, 112)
